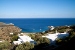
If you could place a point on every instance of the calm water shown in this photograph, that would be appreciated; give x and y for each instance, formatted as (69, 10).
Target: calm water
(39, 24)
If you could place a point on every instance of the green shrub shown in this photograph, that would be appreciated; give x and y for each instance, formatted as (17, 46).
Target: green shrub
(25, 46)
(14, 38)
(4, 45)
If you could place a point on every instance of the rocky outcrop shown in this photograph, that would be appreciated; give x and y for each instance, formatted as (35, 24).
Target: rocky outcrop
(6, 29)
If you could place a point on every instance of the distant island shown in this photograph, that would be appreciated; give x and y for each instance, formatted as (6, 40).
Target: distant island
(52, 39)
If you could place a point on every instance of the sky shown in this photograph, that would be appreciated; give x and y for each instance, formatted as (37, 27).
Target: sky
(37, 8)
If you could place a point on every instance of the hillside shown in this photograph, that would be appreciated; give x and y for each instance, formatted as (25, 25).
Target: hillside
(6, 29)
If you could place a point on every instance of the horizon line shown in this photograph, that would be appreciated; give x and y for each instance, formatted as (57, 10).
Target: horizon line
(14, 18)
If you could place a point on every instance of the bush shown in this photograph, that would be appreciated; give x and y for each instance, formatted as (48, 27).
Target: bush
(14, 38)
(25, 46)
(40, 40)
(46, 40)
(4, 45)
(41, 43)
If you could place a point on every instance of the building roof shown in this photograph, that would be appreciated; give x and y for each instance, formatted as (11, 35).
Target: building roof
(17, 42)
(56, 35)
(25, 38)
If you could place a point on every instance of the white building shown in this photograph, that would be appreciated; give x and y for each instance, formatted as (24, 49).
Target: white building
(11, 33)
(17, 42)
(1, 41)
(23, 39)
(56, 35)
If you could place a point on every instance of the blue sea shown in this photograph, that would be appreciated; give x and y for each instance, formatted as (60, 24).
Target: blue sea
(38, 24)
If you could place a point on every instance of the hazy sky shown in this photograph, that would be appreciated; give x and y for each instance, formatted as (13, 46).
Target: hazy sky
(37, 8)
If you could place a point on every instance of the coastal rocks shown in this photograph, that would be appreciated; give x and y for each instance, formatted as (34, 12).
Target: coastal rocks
(6, 29)
(4, 24)
(51, 27)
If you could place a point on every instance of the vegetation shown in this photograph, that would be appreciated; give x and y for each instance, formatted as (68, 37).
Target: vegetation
(41, 42)
(14, 38)
(25, 46)
(68, 42)
(4, 45)
(39, 39)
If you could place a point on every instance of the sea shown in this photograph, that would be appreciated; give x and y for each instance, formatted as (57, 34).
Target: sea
(38, 24)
